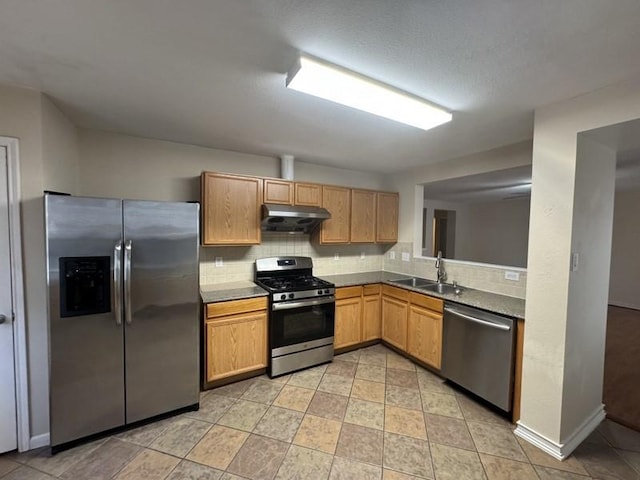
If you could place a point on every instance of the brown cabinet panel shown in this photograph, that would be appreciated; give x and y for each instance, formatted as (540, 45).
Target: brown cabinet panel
(233, 307)
(235, 345)
(371, 317)
(337, 200)
(372, 289)
(348, 324)
(399, 293)
(363, 216)
(424, 301)
(309, 194)
(424, 337)
(348, 292)
(394, 322)
(387, 217)
(278, 191)
(230, 209)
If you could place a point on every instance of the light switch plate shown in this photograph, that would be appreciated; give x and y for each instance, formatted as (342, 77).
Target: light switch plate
(362, 255)
(392, 255)
(575, 260)
(405, 256)
(336, 256)
(219, 262)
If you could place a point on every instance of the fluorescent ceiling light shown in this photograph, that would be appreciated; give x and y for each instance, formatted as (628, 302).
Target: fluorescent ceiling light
(353, 90)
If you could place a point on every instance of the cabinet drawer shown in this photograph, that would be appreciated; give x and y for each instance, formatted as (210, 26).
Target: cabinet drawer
(233, 307)
(372, 289)
(348, 292)
(425, 301)
(395, 292)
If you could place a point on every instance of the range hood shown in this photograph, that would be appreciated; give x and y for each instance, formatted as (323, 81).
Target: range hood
(292, 219)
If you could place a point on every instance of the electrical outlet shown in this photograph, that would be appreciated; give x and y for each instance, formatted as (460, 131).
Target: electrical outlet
(336, 256)
(405, 256)
(362, 255)
(219, 262)
(515, 276)
(392, 255)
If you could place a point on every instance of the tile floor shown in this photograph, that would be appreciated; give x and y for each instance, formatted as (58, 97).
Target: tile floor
(371, 414)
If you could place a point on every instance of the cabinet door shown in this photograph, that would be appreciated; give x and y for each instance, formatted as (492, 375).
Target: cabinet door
(387, 218)
(371, 317)
(338, 201)
(308, 194)
(363, 216)
(278, 191)
(348, 322)
(424, 336)
(394, 322)
(236, 344)
(230, 209)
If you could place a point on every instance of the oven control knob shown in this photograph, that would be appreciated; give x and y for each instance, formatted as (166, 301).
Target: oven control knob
(291, 295)
(283, 297)
(326, 291)
(319, 292)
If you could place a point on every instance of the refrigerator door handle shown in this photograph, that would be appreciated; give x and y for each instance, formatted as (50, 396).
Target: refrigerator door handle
(117, 281)
(127, 282)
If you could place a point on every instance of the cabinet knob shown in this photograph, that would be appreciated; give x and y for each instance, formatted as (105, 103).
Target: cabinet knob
(3, 318)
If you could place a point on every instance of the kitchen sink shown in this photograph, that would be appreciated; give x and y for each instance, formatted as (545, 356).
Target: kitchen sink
(442, 288)
(414, 282)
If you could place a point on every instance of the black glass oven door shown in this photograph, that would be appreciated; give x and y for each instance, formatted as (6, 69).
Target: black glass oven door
(297, 322)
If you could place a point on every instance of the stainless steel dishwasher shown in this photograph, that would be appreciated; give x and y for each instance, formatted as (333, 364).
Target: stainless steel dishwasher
(478, 352)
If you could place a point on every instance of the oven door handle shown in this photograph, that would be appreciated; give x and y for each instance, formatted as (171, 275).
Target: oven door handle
(303, 303)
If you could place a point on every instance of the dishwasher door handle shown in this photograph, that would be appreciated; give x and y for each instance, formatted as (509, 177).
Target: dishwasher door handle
(498, 326)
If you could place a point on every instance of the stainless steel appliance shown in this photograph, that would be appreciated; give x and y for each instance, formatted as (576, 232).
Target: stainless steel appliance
(301, 313)
(478, 352)
(123, 312)
(292, 218)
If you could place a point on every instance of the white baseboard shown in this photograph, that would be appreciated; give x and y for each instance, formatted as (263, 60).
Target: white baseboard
(624, 305)
(562, 450)
(38, 441)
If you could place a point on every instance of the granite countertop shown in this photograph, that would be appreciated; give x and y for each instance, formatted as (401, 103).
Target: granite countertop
(221, 292)
(493, 302)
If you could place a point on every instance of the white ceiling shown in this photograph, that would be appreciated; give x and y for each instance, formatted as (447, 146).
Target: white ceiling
(211, 72)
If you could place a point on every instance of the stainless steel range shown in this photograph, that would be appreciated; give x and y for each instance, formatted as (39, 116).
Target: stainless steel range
(301, 313)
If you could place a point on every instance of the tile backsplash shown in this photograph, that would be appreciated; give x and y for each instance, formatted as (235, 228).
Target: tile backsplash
(233, 264)
(482, 277)
(237, 263)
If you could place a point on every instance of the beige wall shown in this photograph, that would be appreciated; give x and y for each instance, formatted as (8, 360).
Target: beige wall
(565, 311)
(59, 149)
(409, 184)
(625, 258)
(44, 135)
(496, 233)
(114, 165)
(515, 155)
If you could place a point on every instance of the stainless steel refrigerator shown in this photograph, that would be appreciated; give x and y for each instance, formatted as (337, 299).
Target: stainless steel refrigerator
(123, 312)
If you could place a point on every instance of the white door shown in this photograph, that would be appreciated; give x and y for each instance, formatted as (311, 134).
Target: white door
(8, 432)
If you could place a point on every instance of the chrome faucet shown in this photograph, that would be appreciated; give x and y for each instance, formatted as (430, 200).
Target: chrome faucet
(441, 274)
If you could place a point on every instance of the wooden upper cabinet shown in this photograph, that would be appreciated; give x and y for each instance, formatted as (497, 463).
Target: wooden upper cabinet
(278, 191)
(387, 217)
(363, 216)
(230, 209)
(337, 200)
(308, 194)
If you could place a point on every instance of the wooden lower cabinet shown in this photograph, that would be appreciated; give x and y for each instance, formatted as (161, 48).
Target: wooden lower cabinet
(235, 338)
(348, 321)
(371, 314)
(394, 322)
(424, 337)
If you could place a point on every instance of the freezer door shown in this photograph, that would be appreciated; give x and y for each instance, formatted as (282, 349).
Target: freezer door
(86, 354)
(161, 307)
